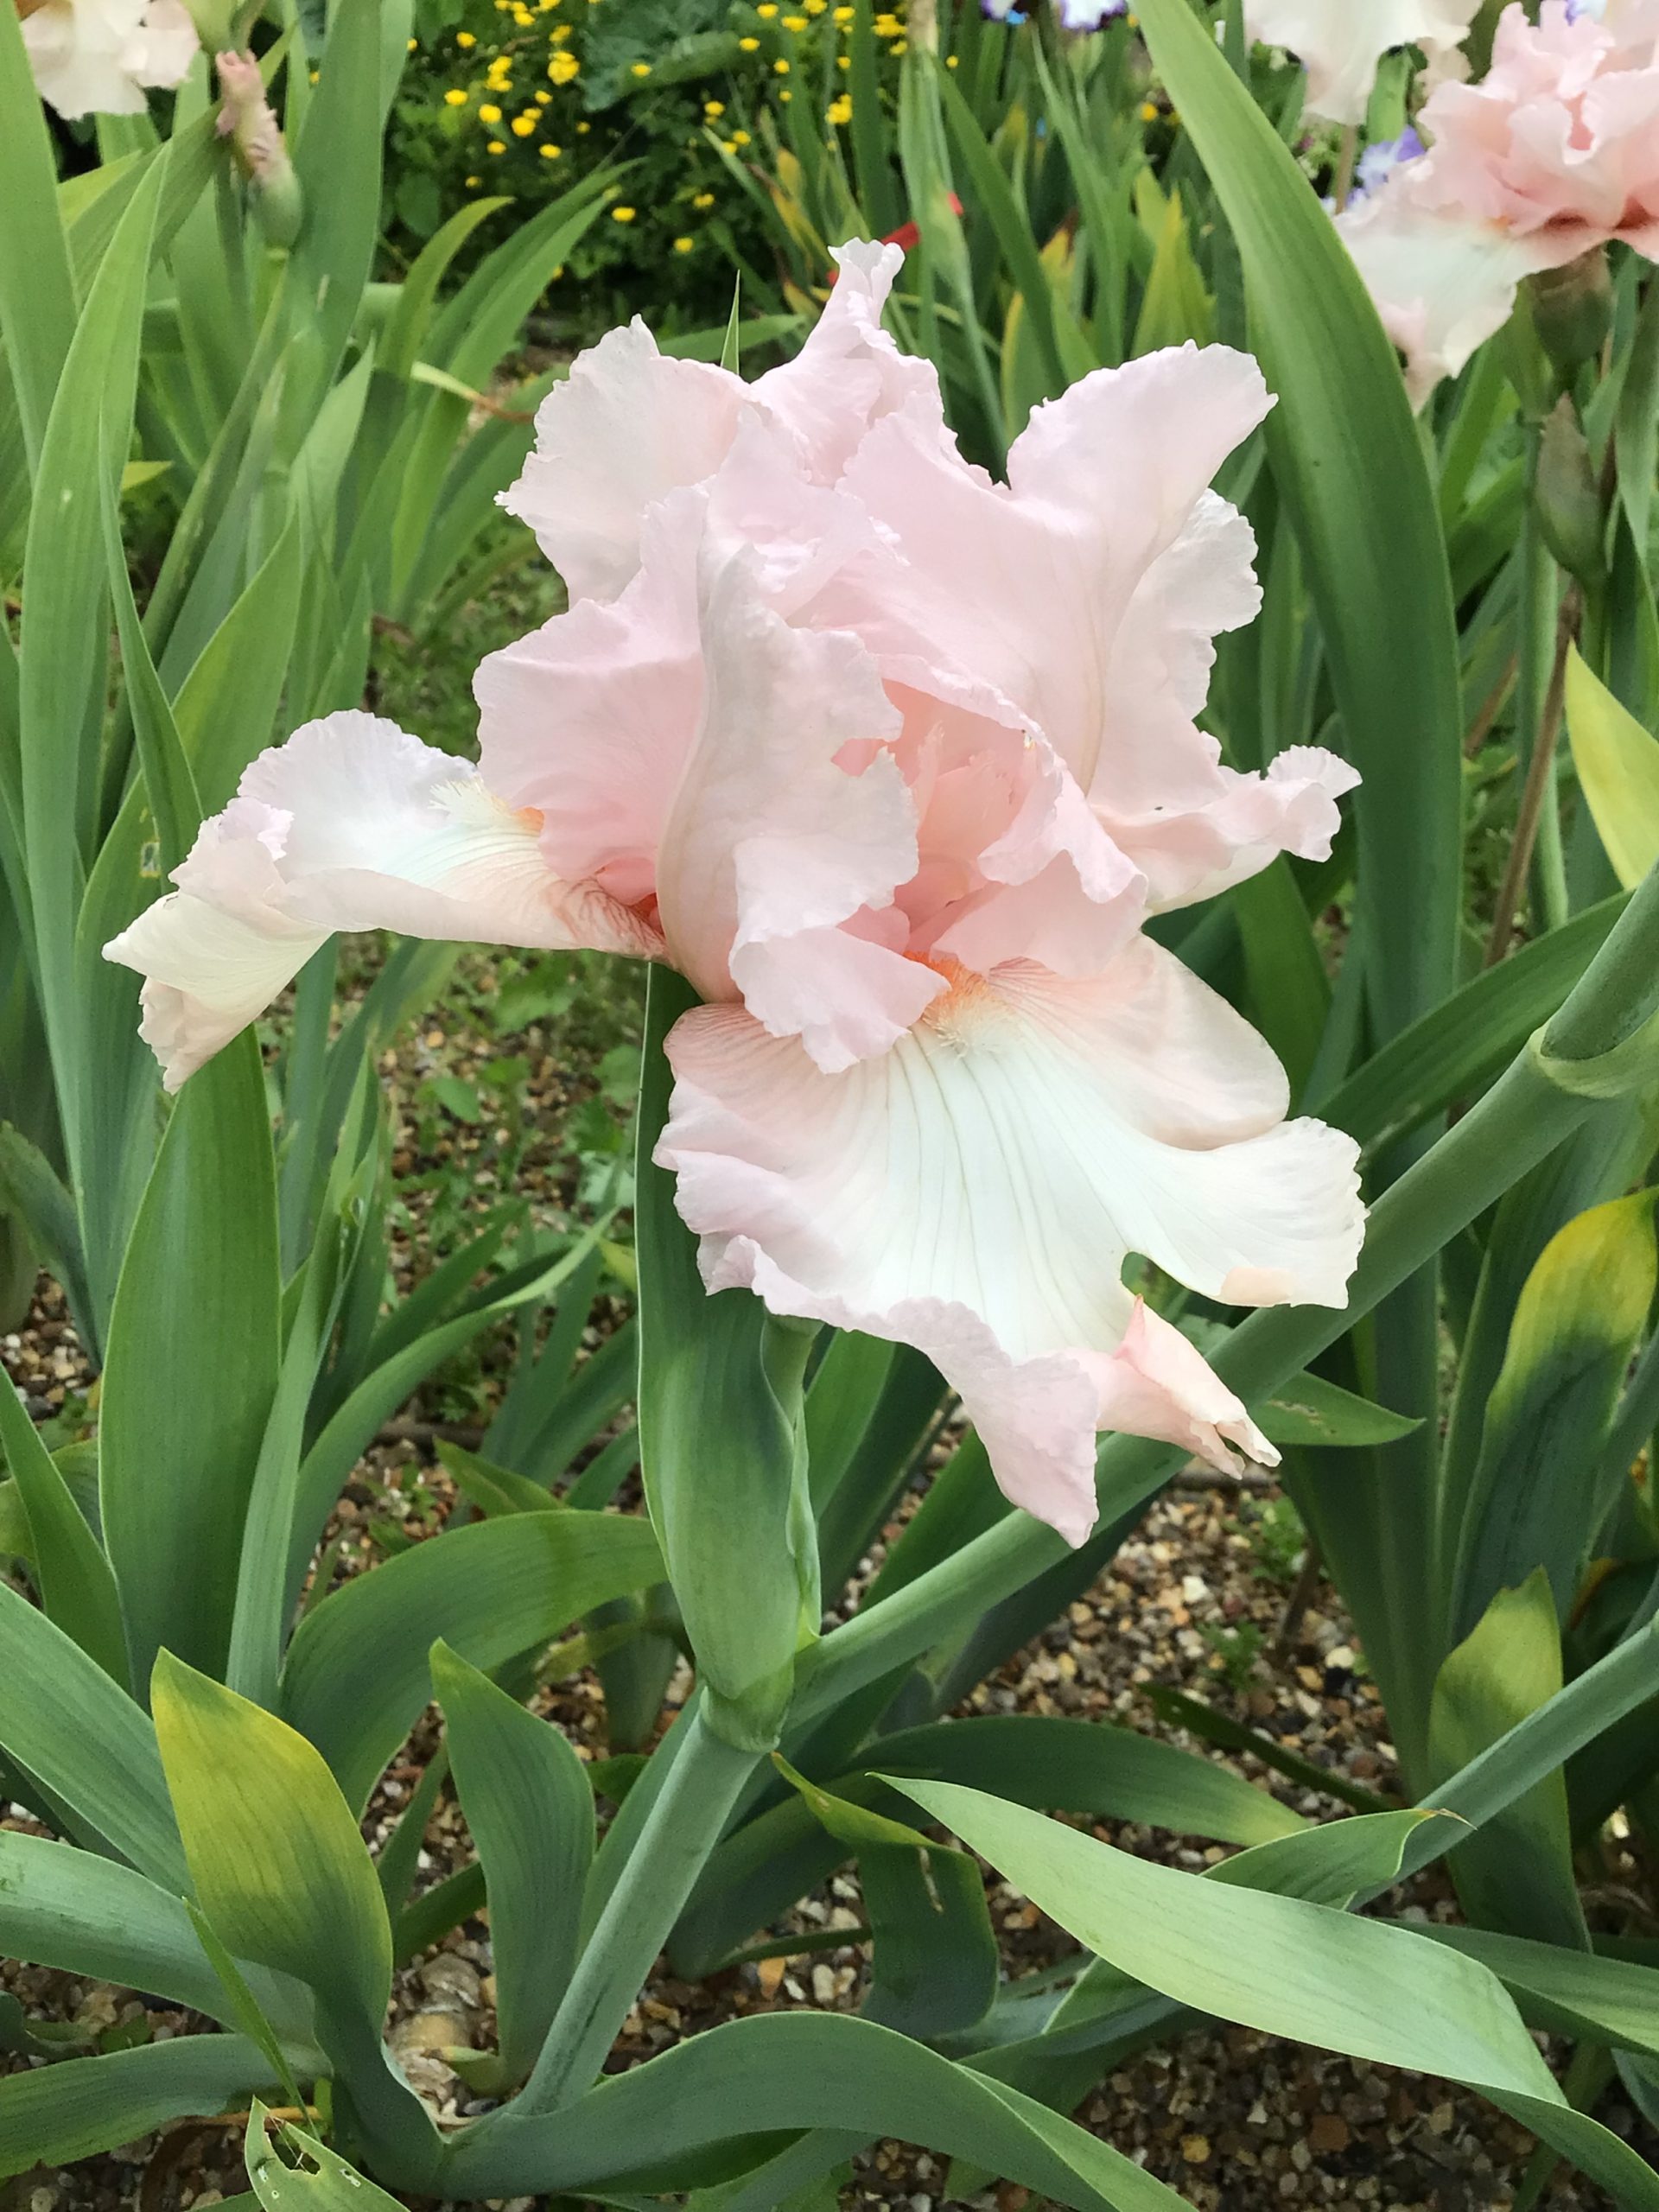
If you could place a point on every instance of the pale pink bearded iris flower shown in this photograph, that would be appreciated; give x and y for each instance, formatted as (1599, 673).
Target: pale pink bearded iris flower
(1339, 42)
(95, 57)
(1554, 153)
(892, 761)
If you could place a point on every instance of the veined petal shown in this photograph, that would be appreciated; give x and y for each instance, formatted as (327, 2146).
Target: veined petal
(350, 826)
(770, 841)
(975, 1191)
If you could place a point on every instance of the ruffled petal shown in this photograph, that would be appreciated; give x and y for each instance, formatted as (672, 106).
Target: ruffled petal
(1441, 283)
(627, 426)
(630, 425)
(849, 374)
(1340, 43)
(1026, 585)
(590, 719)
(350, 826)
(977, 1189)
(771, 840)
(1086, 596)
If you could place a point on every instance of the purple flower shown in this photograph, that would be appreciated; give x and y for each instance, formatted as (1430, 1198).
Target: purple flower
(1378, 162)
(1089, 14)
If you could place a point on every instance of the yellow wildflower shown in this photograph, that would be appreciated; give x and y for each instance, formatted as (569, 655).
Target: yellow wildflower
(781, 66)
(549, 153)
(489, 113)
(749, 45)
(562, 67)
(473, 184)
(766, 11)
(582, 129)
(702, 200)
(454, 96)
(843, 61)
(741, 138)
(844, 15)
(522, 125)
(840, 111)
(623, 214)
(496, 146)
(542, 98)
(1149, 111)
(465, 38)
(727, 146)
(683, 246)
(713, 108)
(898, 48)
(952, 60)
(639, 69)
(786, 95)
(413, 46)
(797, 23)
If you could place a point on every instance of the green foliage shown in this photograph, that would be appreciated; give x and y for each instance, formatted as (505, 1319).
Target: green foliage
(524, 99)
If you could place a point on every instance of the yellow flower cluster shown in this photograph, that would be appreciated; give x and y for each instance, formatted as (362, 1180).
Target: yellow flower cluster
(775, 26)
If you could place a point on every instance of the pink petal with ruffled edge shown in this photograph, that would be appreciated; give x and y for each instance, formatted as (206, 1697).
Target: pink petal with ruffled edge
(977, 1189)
(1084, 596)
(771, 842)
(350, 826)
(630, 425)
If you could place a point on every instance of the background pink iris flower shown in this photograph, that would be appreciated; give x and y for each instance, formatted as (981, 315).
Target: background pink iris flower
(893, 761)
(1553, 154)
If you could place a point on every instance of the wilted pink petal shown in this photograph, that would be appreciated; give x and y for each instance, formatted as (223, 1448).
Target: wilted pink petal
(977, 1189)
(350, 826)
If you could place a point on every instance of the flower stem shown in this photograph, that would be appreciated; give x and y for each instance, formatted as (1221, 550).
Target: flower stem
(1347, 160)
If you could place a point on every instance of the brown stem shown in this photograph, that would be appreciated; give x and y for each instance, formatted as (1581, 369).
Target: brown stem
(1540, 775)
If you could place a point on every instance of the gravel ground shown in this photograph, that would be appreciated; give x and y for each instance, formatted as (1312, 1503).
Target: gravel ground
(1196, 1602)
